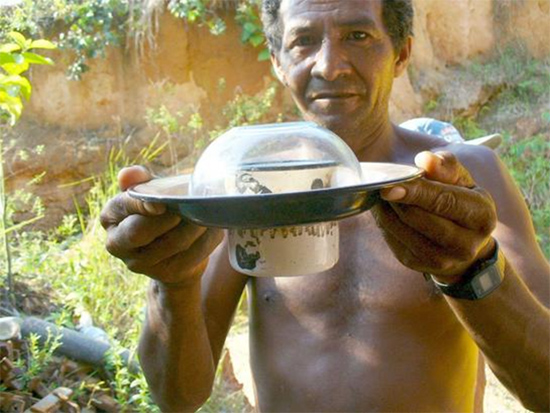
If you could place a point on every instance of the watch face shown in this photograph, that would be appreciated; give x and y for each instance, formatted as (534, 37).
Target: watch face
(486, 282)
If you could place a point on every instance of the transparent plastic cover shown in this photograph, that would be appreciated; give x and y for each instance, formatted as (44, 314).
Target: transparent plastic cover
(274, 158)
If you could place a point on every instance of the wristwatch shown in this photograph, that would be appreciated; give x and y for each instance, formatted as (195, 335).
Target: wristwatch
(479, 281)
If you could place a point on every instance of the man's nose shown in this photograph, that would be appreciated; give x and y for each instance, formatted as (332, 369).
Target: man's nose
(331, 62)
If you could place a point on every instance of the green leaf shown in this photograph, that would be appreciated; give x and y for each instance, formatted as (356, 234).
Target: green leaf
(6, 58)
(19, 39)
(37, 59)
(42, 44)
(12, 105)
(245, 36)
(250, 27)
(18, 58)
(9, 47)
(256, 40)
(264, 55)
(25, 87)
(6, 98)
(24, 223)
(16, 68)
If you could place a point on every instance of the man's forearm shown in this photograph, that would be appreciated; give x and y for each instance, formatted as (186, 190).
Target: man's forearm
(174, 349)
(513, 330)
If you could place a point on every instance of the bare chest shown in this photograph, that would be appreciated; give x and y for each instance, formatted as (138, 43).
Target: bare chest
(337, 328)
(366, 277)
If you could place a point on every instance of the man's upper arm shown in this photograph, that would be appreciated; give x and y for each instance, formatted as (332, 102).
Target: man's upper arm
(515, 232)
(222, 288)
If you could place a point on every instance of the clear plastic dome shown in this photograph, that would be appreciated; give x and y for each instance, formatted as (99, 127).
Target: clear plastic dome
(274, 158)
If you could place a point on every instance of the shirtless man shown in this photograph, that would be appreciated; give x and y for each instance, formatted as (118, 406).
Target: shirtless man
(371, 334)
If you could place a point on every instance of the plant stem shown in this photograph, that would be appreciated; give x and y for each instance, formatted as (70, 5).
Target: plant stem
(3, 226)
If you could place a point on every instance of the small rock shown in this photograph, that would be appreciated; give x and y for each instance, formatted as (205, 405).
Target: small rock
(10, 328)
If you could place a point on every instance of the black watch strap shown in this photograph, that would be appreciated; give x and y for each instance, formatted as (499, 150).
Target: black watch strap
(479, 281)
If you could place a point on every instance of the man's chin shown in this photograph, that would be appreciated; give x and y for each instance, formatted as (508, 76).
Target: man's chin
(335, 123)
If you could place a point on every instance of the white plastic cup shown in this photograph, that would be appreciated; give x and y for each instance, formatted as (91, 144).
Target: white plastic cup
(284, 251)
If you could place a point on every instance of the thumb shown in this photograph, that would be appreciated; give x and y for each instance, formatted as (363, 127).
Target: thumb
(131, 176)
(444, 167)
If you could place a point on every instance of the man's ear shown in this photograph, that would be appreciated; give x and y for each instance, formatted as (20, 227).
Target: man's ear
(279, 72)
(403, 58)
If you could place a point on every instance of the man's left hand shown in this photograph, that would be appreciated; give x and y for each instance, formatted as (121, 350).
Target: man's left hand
(440, 224)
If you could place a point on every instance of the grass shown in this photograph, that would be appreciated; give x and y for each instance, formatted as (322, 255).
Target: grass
(72, 263)
(529, 163)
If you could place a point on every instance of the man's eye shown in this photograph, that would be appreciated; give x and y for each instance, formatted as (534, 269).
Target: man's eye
(358, 35)
(304, 41)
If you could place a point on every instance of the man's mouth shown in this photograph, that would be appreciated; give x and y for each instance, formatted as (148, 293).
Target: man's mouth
(332, 95)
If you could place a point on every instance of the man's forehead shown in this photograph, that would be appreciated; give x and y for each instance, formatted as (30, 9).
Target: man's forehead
(344, 10)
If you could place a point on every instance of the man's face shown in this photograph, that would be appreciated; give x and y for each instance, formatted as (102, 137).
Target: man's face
(338, 61)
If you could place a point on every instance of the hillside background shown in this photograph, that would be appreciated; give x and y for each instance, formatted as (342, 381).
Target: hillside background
(160, 93)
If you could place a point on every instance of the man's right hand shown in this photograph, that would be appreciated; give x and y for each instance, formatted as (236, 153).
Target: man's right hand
(153, 241)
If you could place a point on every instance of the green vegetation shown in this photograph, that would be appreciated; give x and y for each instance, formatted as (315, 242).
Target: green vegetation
(71, 260)
(39, 357)
(89, 27)
(15, 59)
(189, 126)
(519, 110)
(529, 163)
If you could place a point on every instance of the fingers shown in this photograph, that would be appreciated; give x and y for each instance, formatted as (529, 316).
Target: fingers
(137, 231)
(152, 241)
(162, 247)
(190, 261)
(441, 223)
(133, 175)
(418, 251)
(444, 167)
(178, 239)
(468, 208)
(461, 243)
(123, 206)
(199, 251)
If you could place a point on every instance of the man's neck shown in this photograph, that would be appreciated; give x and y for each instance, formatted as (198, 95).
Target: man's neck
(376, 143)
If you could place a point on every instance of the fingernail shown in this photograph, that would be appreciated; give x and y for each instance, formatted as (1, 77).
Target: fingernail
(426, 158)
(394, 194)
(440, 158)
(155, 209)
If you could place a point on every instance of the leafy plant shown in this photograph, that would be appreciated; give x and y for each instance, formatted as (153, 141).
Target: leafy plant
(89, 27)
(197, 11)
(85, 277)
(245, 110)
(130, 388)
(248, 16)
(38, 355)
(93, 25)
(86, 27)
(15, 59)
(190, 127)
(529, 163)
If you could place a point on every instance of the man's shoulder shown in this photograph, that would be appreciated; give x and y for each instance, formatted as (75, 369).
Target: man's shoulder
(481, 161)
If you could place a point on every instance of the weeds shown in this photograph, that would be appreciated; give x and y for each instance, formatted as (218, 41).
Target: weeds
(38, 356)
(529, 163)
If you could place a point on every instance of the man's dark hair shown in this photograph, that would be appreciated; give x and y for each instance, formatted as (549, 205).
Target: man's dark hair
(396, 14)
